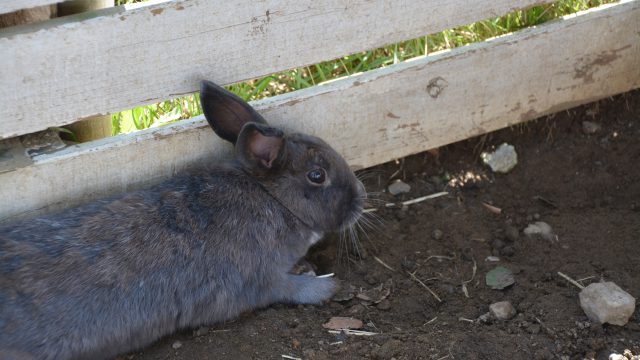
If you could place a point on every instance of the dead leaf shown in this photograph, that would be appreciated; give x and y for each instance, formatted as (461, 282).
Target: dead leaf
(339, 322)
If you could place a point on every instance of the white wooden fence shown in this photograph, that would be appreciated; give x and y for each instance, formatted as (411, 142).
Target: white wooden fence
(57, 72)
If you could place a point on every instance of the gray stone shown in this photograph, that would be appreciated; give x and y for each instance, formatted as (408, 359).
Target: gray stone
(541, 229)
(176, 345)
(502, 160)
(437, 234)
(606, 302)
(203, 330)
(511, 233)
(399, 187)
(384, 305)
(589, 127)
(502, 310)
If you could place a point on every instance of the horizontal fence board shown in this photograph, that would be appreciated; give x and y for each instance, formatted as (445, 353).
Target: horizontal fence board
(7, 6)
(375, 116)
(109, 60)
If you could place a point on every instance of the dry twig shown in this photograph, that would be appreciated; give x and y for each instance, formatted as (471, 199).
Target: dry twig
(409, 202)
(383, 263)
(290, 357)
(413, 276)
(352, 332)
(577, 284)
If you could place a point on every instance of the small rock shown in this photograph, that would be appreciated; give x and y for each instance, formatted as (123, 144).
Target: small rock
(398, 187)
(371, 279)
(508, 251)
(424, 338)
(499, 278)
(485, 318)
(492, 259)
(540, 228)
(357, 309)
(617, 357)
(497, 244)
(408, 264)
(346, 292)
(543, 354)
(295, 344)
(533, 329)
(176, 345)
(339, 322)
(203, 330)
(437, 234)
(589, 127)
(502, 310)
(384, 305)
(606, 302)
(400, 215)
(502, 160)
(511, 233)
(388, 349)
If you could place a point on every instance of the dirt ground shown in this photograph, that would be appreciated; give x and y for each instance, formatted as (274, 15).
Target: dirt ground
(585, 183)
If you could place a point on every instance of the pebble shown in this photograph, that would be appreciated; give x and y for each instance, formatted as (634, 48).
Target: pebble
(497, 244)
(176, 345)
(543, 354)
(589, 127)
(508, 251)
(485, 318)
(203, 330)
(540, 228)
(388, 350)
(398, 187)
(384, 305)
(606, 302)
(408, 264)
(502, 160)
(533, 329)
(437, 234)
(357, 309)
(511, 233)
(502, 310)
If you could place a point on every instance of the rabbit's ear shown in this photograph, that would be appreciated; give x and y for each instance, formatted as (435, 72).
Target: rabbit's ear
(226, 112)
(260, 147)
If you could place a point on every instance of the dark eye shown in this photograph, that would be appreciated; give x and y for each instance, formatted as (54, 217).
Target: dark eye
(317, 176)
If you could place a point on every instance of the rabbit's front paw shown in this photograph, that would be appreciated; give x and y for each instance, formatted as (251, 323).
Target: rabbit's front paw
(306, 289)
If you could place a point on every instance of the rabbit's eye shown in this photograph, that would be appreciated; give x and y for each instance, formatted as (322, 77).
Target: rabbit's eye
(317, 176)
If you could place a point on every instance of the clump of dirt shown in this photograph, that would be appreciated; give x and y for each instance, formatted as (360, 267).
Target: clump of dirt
(419, 283)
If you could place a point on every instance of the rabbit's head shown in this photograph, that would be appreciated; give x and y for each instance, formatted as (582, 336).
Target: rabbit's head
(302, 172)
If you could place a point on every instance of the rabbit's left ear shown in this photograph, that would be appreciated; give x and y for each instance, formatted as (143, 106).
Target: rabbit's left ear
(260, 147)
(226, 112)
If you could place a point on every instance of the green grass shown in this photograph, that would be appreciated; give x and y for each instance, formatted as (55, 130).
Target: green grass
(300, 78)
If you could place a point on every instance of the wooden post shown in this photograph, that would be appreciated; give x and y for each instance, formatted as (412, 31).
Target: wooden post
(27, 16)
(95, 127)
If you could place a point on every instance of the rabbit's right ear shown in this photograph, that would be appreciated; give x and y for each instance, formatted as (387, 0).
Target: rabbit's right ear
(226, 112)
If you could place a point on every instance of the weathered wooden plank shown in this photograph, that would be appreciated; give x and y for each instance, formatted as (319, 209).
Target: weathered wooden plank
(372, 117)
(106, 61)
(7, 6)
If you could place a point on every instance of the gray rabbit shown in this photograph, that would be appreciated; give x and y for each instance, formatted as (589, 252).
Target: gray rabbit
(200, 248)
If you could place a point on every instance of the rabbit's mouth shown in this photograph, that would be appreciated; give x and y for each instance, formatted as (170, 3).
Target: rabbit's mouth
(352, 218)
(356, 209)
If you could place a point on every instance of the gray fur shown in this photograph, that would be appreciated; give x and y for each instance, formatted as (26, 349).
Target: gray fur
(117, 274)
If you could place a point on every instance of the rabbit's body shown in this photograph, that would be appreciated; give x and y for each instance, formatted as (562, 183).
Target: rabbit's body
(117, 274)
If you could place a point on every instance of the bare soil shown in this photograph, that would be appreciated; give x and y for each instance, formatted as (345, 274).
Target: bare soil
(586, 186)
